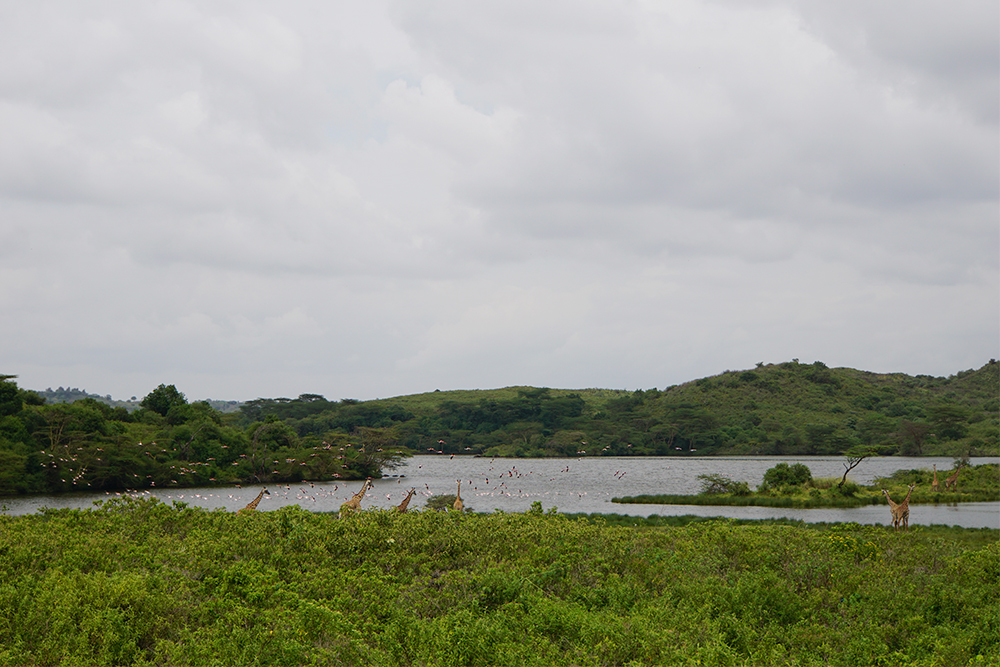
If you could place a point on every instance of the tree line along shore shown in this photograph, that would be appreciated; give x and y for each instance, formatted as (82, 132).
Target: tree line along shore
(789, 409)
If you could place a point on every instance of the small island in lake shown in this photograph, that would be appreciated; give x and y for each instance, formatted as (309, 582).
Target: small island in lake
(793, 486)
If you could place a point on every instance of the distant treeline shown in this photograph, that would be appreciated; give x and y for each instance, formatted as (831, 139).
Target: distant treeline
(787, 409)
(72, 394)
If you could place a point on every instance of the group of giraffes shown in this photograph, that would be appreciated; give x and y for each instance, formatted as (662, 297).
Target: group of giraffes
(901, 511)
(354, 503)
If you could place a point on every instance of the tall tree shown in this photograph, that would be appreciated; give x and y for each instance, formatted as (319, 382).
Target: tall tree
(161, 399)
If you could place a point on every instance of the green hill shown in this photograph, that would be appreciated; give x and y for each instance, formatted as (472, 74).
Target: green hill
(779, 409)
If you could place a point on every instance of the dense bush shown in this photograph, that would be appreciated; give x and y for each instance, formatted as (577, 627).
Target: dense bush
(191, 587)
(786, 475)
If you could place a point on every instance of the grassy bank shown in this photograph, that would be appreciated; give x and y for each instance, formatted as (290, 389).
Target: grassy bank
(138, 583)
(976, 484)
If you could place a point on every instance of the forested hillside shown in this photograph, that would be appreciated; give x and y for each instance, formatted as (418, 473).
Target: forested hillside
(788, 408)
(777, 409)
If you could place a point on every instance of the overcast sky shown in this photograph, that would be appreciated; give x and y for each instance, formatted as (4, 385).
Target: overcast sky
(372, 198)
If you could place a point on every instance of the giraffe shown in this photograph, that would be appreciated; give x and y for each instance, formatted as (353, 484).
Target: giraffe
(355, 502)
(893, 509)
(934, 484)
(904, 509)
(406, 501)
(900, 512)
(458, 505)
(252, 506)
(953, 480)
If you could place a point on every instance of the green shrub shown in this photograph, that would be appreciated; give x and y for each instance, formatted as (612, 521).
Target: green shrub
(786, 475)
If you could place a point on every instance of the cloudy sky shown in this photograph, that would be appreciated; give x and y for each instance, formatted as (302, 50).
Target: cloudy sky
(373, 198)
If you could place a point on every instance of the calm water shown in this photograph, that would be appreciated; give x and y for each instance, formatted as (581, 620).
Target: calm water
(572, 485)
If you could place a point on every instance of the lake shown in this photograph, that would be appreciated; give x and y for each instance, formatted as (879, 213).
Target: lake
(572, 485)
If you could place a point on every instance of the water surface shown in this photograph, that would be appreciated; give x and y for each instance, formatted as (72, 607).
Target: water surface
(572, 485)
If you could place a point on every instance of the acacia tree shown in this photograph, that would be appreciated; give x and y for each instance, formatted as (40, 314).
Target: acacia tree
(273, 432)
(854, 458)
(377, 450)
(911, 437)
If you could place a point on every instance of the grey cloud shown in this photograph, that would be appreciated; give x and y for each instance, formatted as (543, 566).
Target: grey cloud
(944, 54)
(368, 199)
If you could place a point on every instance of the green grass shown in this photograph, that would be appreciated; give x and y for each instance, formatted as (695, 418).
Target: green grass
(140, 583)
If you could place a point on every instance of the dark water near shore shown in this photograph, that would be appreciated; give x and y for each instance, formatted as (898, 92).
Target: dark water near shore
(572, 485)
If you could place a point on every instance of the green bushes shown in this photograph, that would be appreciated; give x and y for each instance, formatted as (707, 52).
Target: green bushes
(786, 475)
(137, 582)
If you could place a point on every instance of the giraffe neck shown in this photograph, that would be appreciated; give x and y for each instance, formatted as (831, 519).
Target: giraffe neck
(253, 503)
(889, 500)
(361, 494)
(406, 501)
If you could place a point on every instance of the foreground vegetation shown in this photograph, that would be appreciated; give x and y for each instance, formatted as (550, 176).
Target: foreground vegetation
(190, 587)
(785, 409)
(975, 484)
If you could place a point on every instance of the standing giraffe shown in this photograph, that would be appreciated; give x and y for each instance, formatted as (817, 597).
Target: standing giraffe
(406, 501)
(252, 506)
(953, 480)
(893, 509)
(904, 509)
(354, 503)
(934, 484)
(901, 512)
(458, 505)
